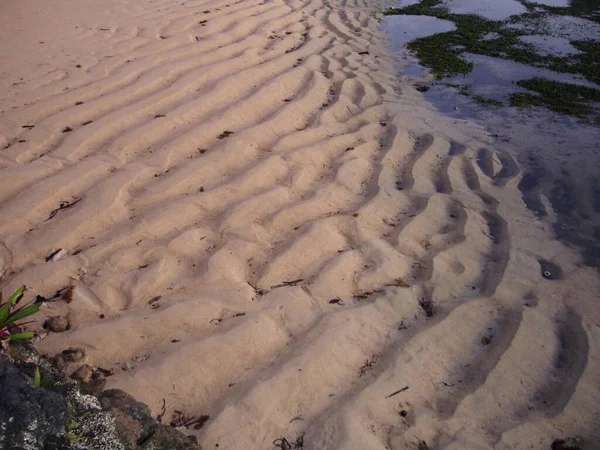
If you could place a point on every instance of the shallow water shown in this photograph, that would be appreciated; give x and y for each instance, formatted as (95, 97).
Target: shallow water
(550, 45)
(402, 29)
(495, 78)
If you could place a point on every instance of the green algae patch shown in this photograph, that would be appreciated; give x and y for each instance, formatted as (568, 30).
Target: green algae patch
(565, 98)
(487, 101)
(588, 62)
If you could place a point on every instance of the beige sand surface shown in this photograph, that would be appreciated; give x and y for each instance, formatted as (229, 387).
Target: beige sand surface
(333, 185)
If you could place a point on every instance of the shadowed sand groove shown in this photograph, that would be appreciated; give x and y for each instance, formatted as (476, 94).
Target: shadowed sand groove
(267, 231)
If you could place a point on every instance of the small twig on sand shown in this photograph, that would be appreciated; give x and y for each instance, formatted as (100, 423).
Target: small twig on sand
(162, 411)
(398, 391)
(288, 283)
(256, 290)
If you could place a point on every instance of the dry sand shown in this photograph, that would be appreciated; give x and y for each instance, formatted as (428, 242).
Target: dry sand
(332, 185)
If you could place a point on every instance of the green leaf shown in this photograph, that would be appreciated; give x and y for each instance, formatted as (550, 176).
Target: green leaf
(14, 299)
(4, 310)
(27, 311)
(37, 377)
(21, 336)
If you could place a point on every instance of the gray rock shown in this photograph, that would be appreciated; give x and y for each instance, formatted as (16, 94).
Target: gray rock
(74, 354)
(127, 410)
(90, 382)
(70, 355)
(168, 438)
(138, 429)
(28, 414)
(60, 416)
(83, 374)
(23, 351)
(93, 387)
(570, 443)
(60, 443)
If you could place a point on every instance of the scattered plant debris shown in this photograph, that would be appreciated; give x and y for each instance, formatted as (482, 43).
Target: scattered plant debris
(180, 419)
(367, 294)
(368, 365)
(162, 412)
(284, 444)
(225, 134)
(399, 283)
(65, 294)
(288, 283)
(256, 290)
(62, 206)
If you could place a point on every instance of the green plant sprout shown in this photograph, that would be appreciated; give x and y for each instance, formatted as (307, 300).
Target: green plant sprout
(10, 313)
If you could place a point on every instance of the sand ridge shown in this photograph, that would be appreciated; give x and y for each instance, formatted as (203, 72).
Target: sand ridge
(267, 230)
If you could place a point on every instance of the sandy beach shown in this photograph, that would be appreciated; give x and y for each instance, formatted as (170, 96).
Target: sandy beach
(260, 225)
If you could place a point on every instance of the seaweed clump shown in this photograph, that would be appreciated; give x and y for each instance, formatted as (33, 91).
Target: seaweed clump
(565, 98)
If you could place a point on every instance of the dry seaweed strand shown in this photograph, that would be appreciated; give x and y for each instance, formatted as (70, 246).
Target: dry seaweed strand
(63, 205)
(180, 419)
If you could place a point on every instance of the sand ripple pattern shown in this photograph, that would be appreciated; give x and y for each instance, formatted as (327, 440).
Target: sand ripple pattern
(249, 214)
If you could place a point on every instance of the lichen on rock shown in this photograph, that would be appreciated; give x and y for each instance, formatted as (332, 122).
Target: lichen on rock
(58, 415)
